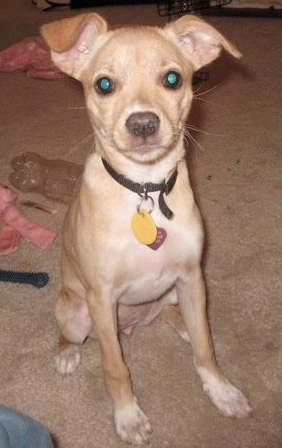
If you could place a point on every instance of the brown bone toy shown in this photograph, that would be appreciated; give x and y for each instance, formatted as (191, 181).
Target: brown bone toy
(56, 179)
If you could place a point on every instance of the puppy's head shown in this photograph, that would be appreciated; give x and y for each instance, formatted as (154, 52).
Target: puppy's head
(137, 81)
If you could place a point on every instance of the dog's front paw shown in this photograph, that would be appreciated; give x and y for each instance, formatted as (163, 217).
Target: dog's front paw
(132, 425)
(67, 360)
(229, 400)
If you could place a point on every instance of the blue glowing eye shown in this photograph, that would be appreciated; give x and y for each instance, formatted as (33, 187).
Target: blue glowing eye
(172, 80)
(104, 85)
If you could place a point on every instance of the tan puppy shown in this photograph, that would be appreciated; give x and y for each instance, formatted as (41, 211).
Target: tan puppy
(133, 236)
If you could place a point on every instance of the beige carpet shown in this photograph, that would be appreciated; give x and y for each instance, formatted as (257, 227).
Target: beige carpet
(236, 171)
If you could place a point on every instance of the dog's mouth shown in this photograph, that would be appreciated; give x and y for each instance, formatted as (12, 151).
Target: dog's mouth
(144, 148)
(145, 152)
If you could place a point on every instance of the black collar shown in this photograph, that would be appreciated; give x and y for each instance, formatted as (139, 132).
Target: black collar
(143, 189)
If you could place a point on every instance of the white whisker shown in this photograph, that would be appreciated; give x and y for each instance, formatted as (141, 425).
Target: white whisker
(83, 144)
(200, 131)
(75, 107)
(206, 91)
(188, 137)
(69, 107)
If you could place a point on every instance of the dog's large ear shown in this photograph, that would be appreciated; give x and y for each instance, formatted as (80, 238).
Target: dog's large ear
(198, 40)
(72, 41)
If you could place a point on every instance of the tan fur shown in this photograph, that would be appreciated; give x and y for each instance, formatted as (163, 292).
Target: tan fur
(110, 281)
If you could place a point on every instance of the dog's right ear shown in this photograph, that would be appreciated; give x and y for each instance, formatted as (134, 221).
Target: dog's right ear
(73, 41)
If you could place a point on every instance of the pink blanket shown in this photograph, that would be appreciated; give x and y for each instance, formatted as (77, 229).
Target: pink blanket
(14, 225)
(32, 56)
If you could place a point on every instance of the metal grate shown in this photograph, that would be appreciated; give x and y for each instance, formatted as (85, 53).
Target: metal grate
(169, 7)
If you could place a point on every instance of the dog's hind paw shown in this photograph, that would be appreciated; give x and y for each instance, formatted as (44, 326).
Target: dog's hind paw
(67, 360)
(132, 425)
(229, 400)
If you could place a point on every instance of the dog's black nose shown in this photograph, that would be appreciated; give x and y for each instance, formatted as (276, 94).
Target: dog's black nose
(143, 124)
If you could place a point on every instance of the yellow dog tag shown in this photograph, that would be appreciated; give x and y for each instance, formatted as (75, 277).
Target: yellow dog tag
(143, 227)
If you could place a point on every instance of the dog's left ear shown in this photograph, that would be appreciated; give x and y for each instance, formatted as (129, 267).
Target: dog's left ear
(73, 41)
(198, 40)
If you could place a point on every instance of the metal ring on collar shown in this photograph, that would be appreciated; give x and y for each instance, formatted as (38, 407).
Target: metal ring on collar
(146, 199)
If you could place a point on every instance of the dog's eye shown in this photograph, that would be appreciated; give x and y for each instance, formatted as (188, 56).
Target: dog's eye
(172, 80)
(104, 86)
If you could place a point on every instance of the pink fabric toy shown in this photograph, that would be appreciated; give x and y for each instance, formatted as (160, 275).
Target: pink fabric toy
(32, 56)
(15, 225)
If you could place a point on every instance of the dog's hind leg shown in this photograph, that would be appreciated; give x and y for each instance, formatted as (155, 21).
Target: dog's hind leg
(73, 320)
(174, 318)
(75, 325)
(72, 317)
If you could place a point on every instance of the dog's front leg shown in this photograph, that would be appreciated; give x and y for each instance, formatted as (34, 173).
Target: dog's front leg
(132, 425)
(192, 300)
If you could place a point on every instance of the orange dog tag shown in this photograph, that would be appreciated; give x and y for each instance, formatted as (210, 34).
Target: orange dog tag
(144, 227)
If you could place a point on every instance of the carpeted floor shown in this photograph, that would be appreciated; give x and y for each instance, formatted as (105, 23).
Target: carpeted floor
(235, 166)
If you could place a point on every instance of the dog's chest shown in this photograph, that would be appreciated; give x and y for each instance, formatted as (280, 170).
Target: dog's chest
(146, 272)
(146, 278)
